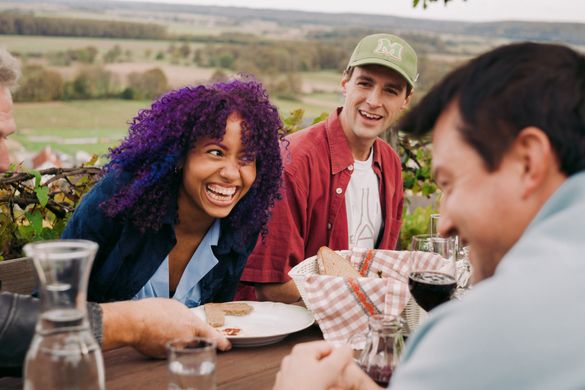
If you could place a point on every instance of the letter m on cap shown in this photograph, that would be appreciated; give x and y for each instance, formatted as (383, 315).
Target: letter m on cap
(389, 49)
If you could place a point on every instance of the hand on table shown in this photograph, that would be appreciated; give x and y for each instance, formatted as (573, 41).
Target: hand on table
(318, 365)
(148, 324)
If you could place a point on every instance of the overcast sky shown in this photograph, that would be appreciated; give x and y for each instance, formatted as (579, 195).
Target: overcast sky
(472, 10)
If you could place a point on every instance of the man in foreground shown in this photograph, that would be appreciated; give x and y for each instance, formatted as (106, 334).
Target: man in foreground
(146, 325)
(509, 155)
(342, 183)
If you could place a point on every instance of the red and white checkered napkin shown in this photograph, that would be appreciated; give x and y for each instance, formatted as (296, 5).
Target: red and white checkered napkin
(342, 306)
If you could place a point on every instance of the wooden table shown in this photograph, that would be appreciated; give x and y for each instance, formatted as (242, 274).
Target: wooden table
(240, 368)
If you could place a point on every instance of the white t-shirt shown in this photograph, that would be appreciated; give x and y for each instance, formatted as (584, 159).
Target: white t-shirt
(362, 202)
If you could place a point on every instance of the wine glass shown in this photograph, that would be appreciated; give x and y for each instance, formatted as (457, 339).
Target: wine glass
(463, 267)
(431, 279)
(434, 226)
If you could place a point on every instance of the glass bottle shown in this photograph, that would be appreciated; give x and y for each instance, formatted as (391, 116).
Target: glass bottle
(63, 353)
(382, 346)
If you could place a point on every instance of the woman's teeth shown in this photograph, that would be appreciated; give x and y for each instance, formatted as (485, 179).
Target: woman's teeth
(221, 193)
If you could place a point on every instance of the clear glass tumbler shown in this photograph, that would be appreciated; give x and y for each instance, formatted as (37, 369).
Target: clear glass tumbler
(63, 353)
(192, 364)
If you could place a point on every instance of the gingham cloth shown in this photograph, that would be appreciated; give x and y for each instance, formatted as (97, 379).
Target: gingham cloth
(342, 306)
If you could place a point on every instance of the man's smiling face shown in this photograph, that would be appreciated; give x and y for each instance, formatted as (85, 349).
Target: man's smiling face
(374, 96)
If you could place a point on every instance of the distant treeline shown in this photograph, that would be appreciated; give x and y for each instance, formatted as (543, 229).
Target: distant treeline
(39, 84)
(322, 51)
(272, 57)
(24, 24)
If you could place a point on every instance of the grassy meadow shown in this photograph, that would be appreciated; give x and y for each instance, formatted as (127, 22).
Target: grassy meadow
(95, 125)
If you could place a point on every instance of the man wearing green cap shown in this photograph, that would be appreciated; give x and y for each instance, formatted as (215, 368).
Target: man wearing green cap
(342, 183)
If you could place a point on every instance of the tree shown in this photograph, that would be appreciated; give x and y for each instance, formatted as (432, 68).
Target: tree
(146, 85)
(218, 76)
(94, 82)
(184, 50)
(113, 54)
(39, 84)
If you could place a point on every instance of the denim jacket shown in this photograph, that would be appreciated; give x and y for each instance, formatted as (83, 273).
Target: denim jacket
(127, 257)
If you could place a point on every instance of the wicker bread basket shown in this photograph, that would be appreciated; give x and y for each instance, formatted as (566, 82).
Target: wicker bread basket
(413, 313)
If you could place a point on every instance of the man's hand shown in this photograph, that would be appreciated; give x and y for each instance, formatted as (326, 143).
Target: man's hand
(148, 324)
(316, 365)
(319, 366)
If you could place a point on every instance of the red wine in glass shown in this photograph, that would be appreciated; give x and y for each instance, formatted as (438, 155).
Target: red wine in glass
(380, 375)
(431, 288)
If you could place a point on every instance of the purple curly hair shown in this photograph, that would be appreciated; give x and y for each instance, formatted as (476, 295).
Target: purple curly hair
(160, 138)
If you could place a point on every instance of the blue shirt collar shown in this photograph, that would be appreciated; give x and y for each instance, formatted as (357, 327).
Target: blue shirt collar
(201, 263)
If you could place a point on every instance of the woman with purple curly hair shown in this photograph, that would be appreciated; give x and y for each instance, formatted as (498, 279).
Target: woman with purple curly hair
(185, 196)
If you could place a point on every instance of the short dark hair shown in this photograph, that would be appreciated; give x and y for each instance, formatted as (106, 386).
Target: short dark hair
(349, 71)
(508, 89)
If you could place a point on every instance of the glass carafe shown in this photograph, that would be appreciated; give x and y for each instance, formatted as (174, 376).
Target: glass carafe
(382, 346)
(63, 353)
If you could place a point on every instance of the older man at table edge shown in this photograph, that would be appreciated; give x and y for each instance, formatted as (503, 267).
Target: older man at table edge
(342, 183)
(509, 155)
(145, 325)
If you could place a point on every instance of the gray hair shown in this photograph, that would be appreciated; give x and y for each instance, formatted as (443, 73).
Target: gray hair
(9, 69)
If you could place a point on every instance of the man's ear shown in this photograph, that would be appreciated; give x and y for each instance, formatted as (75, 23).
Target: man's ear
(344, 81)
(537, 159)
(406, 102)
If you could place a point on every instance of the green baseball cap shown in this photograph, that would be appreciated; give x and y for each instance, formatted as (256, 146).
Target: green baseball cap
(387, 50)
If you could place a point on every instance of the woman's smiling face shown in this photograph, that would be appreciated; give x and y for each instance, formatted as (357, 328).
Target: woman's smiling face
(217, 173)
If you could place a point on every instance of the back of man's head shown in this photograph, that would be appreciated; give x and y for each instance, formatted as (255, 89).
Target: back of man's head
(9, 69)
(508, 89)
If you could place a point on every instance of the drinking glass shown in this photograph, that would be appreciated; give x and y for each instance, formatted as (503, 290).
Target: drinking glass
(431, 279)
(63, 353)
(191, 364)
(434, 225)
(463, 267)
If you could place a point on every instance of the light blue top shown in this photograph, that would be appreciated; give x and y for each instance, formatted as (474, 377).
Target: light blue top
(188, 291)
(524, 328)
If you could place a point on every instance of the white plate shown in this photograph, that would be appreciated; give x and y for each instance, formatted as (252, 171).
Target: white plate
(268, 323)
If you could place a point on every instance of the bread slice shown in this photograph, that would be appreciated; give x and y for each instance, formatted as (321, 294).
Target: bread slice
(236, 308)
(331, 263)
(214, 314)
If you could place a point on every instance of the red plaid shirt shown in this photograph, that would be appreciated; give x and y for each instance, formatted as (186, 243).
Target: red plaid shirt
(312, 213)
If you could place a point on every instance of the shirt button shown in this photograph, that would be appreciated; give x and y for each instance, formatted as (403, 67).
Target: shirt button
(328, 226)
(350, 167)
(338, 190)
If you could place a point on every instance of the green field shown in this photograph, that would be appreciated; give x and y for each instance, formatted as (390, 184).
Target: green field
(103, 120)
(95, 125)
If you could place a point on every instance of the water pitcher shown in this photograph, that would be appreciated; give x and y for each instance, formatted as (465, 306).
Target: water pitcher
(381, 347)
(63, 353)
